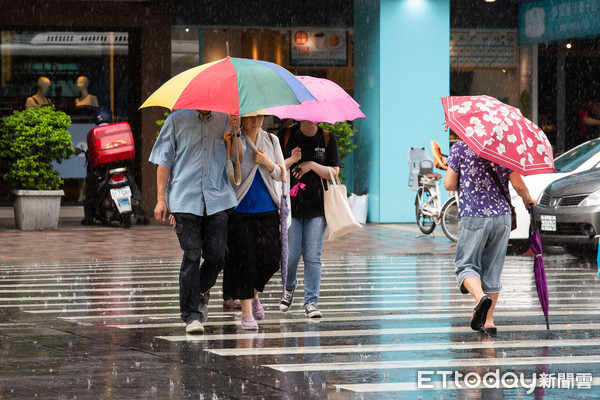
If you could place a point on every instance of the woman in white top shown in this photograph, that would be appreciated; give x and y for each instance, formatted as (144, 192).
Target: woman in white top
(253, 230)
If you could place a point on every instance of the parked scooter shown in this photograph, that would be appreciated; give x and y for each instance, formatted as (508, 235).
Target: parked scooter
(110, 191)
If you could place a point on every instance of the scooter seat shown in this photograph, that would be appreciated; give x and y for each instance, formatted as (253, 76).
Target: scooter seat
(433, 175)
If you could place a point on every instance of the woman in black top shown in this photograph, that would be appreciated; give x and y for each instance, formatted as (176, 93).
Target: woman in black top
(310, 154)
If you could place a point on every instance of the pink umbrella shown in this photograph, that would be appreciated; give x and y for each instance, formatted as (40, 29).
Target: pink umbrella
(333, 104)
(499, 133)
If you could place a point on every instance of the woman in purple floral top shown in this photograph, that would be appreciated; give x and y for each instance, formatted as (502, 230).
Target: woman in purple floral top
(483, 229)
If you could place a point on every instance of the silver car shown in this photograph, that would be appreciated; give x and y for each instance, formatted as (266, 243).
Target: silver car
(568, 213)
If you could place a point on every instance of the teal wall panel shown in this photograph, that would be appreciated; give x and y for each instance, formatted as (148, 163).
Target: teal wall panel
(400, 83)
(366, 91)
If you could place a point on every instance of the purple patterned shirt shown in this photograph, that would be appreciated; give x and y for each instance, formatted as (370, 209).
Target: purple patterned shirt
(478, 194)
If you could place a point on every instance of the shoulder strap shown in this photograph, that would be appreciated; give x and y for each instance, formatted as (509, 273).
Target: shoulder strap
(494, 176)
(286, 136)
(326, 135)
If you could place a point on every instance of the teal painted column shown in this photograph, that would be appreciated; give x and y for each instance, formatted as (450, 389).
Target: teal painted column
(401, 69)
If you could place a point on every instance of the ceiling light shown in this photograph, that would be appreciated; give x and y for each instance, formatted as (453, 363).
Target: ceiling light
(569, 45)
(490, 1)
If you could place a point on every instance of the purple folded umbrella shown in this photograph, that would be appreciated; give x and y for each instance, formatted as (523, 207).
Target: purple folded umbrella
(539, 270)
(284, 211)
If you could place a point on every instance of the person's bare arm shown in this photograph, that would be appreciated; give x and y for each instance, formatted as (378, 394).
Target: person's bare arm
(520, 187)
(451, 180)
(294, 158)
(321, 170)
(162, 176)
(591, 121)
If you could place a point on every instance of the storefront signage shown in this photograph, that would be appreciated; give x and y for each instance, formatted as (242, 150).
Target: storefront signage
(319, 47)
(551, 20)
(483, 48)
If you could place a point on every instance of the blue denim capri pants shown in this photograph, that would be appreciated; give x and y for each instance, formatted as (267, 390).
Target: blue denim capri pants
(481, 250)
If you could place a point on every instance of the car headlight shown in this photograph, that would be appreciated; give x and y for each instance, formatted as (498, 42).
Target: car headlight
(592, 200)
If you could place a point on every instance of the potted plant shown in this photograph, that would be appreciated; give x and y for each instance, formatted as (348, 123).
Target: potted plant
(30, 141)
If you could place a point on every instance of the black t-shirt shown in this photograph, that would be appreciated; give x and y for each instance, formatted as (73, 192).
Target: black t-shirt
(309, 202)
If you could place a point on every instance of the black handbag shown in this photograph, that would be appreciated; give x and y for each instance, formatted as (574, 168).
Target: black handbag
(513, 213)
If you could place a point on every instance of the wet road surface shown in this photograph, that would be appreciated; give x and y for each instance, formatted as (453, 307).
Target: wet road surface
(93, 313)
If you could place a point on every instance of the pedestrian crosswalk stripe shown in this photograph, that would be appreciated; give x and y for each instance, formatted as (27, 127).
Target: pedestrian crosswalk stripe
(351, 307)
(142, 310)
(438, 385)
(440, 363)
(373, 332)
(379, 348)
(371, 278)
(58, 304)
(353, 286)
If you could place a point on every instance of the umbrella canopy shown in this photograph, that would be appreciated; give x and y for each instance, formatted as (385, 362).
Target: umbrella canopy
(332, 104)
(499, 133)
(539, 271)
(234, 86)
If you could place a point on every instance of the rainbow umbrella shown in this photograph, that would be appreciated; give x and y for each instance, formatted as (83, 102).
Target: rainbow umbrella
(235, 86)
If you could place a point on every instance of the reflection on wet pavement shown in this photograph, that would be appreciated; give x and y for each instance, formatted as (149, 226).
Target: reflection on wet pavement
(394, 325)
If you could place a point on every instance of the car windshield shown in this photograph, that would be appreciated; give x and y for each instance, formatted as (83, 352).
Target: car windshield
(572, 159)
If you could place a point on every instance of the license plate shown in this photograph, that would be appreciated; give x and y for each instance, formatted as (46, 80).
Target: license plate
(549, 223)
(122, 198)
(119, 193)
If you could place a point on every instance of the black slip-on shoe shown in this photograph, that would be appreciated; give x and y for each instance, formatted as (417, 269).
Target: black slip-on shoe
(480, 313)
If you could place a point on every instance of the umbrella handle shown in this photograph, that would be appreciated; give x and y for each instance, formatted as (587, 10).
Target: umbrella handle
(282, 171)
(232, 178)
(530, 209)
(236, 181)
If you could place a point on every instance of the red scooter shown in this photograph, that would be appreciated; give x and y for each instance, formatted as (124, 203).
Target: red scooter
(111, 193)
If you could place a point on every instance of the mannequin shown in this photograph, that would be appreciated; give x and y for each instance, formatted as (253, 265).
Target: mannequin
(41, 97)
(86, 99)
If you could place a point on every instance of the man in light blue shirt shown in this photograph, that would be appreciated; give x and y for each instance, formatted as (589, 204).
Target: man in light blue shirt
(192, 184)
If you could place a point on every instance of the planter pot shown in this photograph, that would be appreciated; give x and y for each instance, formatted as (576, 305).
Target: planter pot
(37, 209)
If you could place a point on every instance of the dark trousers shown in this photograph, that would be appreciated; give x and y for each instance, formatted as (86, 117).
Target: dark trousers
(204, 237)
(254, 251)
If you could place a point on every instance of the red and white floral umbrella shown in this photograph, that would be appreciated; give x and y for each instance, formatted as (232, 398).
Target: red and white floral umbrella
(499, 133)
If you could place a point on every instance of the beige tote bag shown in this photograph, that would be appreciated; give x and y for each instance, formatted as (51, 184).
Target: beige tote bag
(337, 209)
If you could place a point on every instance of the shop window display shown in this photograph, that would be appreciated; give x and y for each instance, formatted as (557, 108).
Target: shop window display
(76, 72)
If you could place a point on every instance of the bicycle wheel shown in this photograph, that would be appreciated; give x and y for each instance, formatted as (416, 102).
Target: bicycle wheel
(449, 218)
(426, 223)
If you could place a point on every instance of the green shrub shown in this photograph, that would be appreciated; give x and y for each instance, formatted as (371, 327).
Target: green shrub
(343, 132)
(29, 141)
(161, 122)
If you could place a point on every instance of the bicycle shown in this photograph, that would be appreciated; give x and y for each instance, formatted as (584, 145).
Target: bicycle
(429, 209)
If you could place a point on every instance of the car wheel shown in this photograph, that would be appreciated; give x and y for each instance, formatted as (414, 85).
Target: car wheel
(582, 252)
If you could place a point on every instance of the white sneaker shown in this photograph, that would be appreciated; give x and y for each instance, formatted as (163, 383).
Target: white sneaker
(194, 328)
(286, 300)
(312, 311)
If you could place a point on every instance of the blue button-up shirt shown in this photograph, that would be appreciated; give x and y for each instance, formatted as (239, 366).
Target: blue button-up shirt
(194, 152)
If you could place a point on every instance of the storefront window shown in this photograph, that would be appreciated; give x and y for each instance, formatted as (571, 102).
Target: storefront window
(85, 71)
(185, 49)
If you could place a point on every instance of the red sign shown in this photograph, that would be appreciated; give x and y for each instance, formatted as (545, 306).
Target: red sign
(301, 37)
